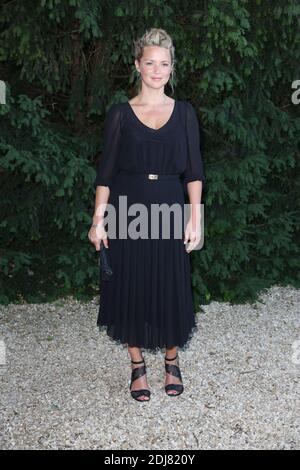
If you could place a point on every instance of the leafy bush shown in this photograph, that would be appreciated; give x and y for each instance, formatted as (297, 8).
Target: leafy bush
(66, 62)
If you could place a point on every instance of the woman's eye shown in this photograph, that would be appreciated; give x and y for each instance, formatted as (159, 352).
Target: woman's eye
(150, 63)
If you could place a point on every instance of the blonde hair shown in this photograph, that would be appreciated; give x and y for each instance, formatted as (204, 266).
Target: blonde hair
(154, 37)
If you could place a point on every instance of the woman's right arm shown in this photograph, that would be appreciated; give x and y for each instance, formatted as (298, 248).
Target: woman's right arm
(106, 171)
(97, 231)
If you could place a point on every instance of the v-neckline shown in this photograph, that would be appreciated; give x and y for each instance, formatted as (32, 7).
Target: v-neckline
(151, 128)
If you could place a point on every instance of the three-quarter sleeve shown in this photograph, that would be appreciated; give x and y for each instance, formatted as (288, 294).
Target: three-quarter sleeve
(194, 167)
(108, 164)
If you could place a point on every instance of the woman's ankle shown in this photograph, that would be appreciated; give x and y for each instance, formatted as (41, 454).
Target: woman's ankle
(135, 354)
(171, 353)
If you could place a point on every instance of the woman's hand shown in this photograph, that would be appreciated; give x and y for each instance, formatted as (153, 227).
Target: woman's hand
(96, 234)
(192, 235)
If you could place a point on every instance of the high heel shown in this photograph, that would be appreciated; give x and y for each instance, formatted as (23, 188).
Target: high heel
(175, 371)
(136, 374)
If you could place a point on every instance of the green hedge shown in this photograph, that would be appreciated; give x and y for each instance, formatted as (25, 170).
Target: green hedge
(66, 62)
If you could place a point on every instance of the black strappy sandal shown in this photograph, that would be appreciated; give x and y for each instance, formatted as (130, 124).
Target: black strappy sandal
(175, 371)
(136, 374)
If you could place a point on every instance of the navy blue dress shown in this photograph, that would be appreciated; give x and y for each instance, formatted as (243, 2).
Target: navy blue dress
(148, 302)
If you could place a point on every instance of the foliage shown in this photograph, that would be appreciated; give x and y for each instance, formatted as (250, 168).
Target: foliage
(65, 63)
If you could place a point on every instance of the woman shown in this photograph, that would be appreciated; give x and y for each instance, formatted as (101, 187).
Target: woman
(150, 155)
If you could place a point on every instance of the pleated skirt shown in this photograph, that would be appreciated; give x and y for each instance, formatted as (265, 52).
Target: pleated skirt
(148, 302)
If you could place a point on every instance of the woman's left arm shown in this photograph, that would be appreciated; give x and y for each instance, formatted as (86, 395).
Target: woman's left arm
(194, 179)
(193, 229)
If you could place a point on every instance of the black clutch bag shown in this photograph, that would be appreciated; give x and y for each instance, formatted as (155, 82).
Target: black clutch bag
(105, 265)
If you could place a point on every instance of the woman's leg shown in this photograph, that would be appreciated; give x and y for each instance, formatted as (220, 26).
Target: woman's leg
(170, 379)
(140, 383)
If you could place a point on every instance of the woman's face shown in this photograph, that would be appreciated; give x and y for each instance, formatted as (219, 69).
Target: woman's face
(155, 66)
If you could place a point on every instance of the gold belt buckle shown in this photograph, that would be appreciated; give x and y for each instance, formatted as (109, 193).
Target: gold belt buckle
(152, 177)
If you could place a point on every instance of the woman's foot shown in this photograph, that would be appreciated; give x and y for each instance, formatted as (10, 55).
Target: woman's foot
(173, 375)
(140, 382)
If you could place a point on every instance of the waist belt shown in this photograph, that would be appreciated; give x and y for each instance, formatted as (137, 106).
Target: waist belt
(152, 176)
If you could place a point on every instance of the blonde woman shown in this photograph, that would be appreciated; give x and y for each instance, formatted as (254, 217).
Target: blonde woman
(151, 155)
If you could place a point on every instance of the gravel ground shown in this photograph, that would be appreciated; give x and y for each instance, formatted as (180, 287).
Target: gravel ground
(65, 385)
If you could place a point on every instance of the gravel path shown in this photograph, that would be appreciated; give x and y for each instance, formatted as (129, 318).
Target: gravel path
(64, 385)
